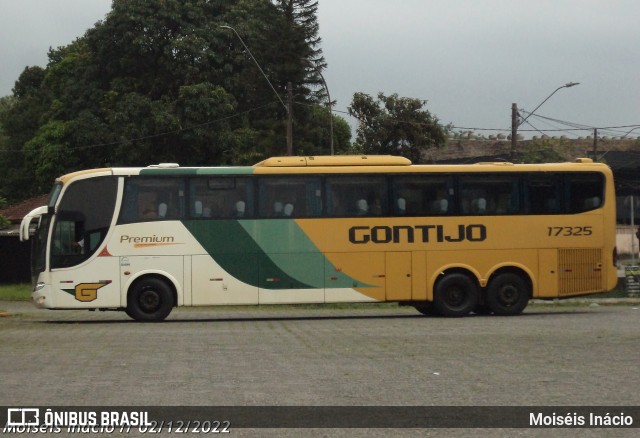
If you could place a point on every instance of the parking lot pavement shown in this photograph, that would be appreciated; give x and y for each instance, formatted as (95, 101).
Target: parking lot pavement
(298, 356)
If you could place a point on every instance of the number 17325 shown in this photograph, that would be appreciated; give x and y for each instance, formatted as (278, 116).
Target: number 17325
(569, 231)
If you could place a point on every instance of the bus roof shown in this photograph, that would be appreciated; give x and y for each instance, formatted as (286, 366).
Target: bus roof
(64, 179)
(335, 160)
(339, 164)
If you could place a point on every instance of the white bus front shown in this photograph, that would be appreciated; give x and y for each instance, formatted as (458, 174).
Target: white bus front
(70, 231)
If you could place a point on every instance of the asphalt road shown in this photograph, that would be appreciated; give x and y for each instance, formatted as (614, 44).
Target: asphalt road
(299, 356)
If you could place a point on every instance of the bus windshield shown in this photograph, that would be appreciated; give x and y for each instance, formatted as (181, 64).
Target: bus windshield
(82, 220)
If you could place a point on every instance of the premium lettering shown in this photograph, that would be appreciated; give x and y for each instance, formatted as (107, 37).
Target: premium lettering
(146, 239)
(417, 233)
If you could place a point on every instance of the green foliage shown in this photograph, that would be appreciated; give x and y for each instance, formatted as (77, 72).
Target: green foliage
(162, 81)
(545, 151)
(317, 140)
(4, 222)
(48, 152)
(19, 120)
(395, 125)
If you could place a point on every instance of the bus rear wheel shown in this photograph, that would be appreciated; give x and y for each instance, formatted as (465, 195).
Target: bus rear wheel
(150, 300)
(455, 295)
(508, 294)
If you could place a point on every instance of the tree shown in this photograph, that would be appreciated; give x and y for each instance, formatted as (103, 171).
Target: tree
(4, 222)
(297, 40)
(5, 104)
(20, 118)
(544, 151)
(395, 125)
(317, 139)
(163, 81)
(297, 46)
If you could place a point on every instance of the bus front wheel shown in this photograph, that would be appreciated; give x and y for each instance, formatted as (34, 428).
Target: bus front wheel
(150, 300)
(455, 295)
(508, 294)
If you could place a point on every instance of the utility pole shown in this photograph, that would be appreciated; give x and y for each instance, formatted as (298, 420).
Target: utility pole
(289, 119)
(514, 131)
(595, 144)
(514, 116)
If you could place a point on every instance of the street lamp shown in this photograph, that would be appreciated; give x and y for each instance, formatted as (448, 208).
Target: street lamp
(257, 65)
(313, 66)
(286, 107)
(514, 115)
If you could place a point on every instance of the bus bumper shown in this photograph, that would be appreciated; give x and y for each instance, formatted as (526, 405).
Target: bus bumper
(41, 296)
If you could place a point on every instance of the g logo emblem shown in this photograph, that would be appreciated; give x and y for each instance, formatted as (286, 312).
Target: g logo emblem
(87, 292)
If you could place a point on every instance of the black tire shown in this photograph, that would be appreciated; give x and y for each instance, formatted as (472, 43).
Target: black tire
(150, 300)
(426, 308)
(455, 295)
(508, 294)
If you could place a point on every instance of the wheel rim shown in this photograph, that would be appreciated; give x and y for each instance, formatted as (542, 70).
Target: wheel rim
(508, 294)
(149, 300)
(455, 296)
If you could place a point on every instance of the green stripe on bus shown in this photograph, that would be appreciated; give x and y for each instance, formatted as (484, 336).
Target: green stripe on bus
(177, 171)
(270, 254)
(292, 251)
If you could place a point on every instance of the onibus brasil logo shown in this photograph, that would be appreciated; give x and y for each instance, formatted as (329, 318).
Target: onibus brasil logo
(36, 420)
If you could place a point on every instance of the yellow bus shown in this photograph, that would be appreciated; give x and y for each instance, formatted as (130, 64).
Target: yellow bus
(446, 239)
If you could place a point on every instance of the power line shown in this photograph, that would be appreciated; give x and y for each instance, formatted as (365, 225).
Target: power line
(580, 127)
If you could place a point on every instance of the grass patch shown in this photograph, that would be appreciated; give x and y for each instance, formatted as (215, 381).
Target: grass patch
(15, 292)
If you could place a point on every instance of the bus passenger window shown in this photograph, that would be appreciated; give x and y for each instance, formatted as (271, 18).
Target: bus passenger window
(585, 191)
(149, 199)
(223, 197)
(489, 194)
(542, 194)
(357, 195)
(288, 196)
(421, 195)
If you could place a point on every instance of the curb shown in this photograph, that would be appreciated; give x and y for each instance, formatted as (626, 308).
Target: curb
(603, 301)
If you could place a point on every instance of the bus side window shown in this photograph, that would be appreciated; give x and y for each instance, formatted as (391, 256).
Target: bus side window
(129, 211)
(357, 195)
(490, 194)
(421, 195)
(202, 202)
(287, 196)
(338, 203)
(543, 194)
(584, 191)
(220, 197)
(149, 199)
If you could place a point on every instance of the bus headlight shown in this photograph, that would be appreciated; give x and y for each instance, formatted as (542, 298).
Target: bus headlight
(38, 287)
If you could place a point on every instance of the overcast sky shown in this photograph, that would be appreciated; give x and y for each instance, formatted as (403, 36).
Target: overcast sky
(469, 59)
